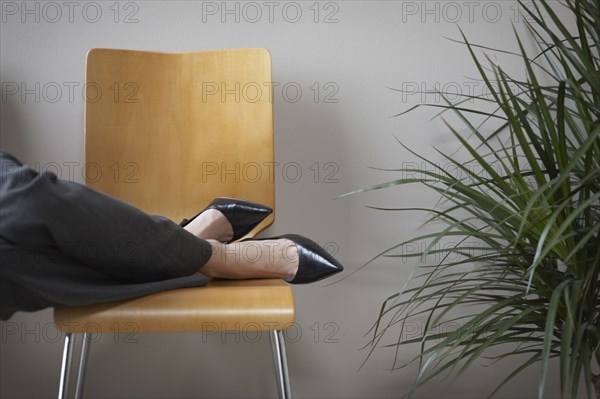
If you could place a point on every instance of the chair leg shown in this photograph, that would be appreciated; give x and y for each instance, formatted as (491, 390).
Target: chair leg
(85, 346)
(280, 362)
(65, 368)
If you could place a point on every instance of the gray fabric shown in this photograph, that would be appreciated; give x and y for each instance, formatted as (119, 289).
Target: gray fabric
(63, 244)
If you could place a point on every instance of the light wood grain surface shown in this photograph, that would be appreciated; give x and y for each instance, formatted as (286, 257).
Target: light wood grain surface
(167, 133)
(170, 132)
(247, 305)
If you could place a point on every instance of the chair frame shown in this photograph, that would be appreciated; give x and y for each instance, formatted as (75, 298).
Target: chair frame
(165, 77)
(275, 336)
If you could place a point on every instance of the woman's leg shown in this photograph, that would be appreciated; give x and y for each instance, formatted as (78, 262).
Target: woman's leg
(112, 237)
(99, 231)
(36, 277)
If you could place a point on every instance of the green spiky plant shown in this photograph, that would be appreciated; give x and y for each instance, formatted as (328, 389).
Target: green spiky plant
(533, 212)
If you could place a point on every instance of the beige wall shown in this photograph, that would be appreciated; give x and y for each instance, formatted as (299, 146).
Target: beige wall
(344, 60)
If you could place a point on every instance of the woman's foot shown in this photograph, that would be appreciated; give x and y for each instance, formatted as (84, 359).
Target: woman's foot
(211, 224)
(234, 218)
(276, 258)
(293, 258)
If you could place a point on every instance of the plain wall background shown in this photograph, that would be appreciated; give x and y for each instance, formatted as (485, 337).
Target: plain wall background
(353, 53)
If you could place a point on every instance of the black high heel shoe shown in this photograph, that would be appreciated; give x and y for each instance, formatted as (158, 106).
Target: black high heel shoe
(242, 215)
(314, 262)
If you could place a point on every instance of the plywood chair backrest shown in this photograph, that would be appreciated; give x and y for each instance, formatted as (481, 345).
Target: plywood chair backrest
(168, 132)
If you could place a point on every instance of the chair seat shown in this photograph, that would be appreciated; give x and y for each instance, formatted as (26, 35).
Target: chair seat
(222, 305)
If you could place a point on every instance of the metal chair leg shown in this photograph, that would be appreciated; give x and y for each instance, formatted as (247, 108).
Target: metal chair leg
(280, 362)
(85, 346)
(65, 368)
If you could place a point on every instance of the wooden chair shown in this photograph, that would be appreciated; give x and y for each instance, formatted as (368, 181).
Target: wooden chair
(168, 132)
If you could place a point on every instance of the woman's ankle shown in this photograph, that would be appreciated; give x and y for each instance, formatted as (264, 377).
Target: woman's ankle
(252, 259)
(211, 224)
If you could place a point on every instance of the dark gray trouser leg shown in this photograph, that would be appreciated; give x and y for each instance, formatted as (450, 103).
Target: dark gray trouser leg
(100, 231)
(63, 244)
